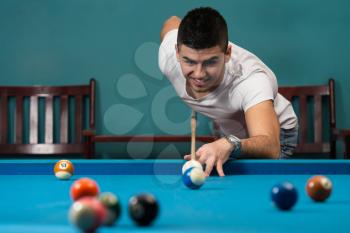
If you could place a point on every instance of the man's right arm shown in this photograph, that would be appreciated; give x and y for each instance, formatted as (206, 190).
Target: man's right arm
(172, 23)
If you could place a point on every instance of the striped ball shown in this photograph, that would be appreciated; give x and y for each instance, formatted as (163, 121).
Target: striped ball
(64, 169)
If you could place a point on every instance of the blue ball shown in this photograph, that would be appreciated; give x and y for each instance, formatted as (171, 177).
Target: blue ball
(284, 195)
(193, 178)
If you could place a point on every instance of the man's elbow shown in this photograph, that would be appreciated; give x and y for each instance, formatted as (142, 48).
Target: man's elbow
(275, 155)
(275, 151)
(172, 19)
(171, 23)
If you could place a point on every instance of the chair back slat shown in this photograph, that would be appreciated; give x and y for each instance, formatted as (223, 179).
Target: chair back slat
(92, 104)
(78, 118)
(3, 124)
(33, 120)
(19, 120)
(318, 118)
(49, 119)
(64, 120)
(303, 119)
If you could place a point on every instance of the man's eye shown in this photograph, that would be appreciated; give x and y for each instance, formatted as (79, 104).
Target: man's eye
(210, 63)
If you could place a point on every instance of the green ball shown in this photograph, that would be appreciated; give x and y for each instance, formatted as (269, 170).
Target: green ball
(112, 205)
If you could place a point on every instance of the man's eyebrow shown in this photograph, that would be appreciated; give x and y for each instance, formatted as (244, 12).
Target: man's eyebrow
(187, 59)
(214, 58)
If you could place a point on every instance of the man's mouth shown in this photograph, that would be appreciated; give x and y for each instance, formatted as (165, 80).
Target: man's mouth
(199, 82)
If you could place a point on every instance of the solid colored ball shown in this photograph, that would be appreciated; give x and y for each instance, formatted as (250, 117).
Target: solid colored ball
(84, 187)
(191, 163)
(88, 213)
(194, 178)
(319, 188)
(284, 196)
(143, 209)
(112, 205)
(64, 169)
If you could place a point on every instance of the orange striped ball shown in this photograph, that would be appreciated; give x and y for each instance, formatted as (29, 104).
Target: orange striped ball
(64, 169)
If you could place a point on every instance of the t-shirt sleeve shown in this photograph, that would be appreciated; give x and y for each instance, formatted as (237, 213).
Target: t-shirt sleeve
(167, 54)
(258, 87)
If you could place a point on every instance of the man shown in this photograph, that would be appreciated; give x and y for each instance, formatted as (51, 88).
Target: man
(229, 85)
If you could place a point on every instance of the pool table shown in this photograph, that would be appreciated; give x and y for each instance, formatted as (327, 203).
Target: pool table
(32, 199)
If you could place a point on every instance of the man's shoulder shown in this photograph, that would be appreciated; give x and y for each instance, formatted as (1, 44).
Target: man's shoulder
(246, 65)
(243, 56)
(167, 54)
(169, 38)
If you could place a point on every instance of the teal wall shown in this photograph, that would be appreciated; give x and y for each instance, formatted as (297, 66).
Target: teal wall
(66, 42)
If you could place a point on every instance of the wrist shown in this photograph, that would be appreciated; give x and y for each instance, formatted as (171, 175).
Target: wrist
(227, 145)
(235, 145)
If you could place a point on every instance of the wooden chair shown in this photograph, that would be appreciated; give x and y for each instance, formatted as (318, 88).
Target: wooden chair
(314, 102)
(47, 120)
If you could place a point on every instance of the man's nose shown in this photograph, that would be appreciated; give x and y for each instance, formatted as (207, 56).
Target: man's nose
(198, 72)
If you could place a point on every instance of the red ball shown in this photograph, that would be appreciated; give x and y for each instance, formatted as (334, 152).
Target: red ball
(84, 187)
(319, 188)
(88, 213)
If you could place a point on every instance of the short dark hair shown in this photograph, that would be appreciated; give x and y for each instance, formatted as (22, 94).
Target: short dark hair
(203, 28)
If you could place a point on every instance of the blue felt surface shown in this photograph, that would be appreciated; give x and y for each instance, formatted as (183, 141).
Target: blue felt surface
(235, 203)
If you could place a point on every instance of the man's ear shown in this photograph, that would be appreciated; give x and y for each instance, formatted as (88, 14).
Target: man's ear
(228, 53)
(177, 52)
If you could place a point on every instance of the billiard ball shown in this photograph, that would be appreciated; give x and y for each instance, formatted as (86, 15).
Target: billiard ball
(319, 188)
(194, 178)
(284, 195)
(84, 187)
(64, 169)
(143, 209)
(191, 163)
(112, 205)
(88, 213)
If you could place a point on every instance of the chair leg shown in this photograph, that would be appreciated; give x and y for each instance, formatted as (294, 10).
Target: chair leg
(347, 147)
(90, 151)
(333, 150)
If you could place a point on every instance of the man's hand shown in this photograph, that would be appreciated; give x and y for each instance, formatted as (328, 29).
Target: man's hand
(213, 154)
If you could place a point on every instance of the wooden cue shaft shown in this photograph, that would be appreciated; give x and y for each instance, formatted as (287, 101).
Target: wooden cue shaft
(193, 135)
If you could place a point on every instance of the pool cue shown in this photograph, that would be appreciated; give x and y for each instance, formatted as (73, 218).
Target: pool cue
(193, 135)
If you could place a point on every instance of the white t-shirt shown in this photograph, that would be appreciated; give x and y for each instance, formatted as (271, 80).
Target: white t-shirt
(247, 81)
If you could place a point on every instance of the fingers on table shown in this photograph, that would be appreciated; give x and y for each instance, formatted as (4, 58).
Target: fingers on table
(219, 168)
(209, 166)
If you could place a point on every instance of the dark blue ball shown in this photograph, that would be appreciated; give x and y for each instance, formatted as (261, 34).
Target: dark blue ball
(284, 195)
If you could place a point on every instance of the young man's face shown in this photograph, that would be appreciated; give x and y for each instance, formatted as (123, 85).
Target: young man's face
(203, 69)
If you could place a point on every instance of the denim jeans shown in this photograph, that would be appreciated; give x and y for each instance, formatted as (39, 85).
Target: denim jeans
(288, 141)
